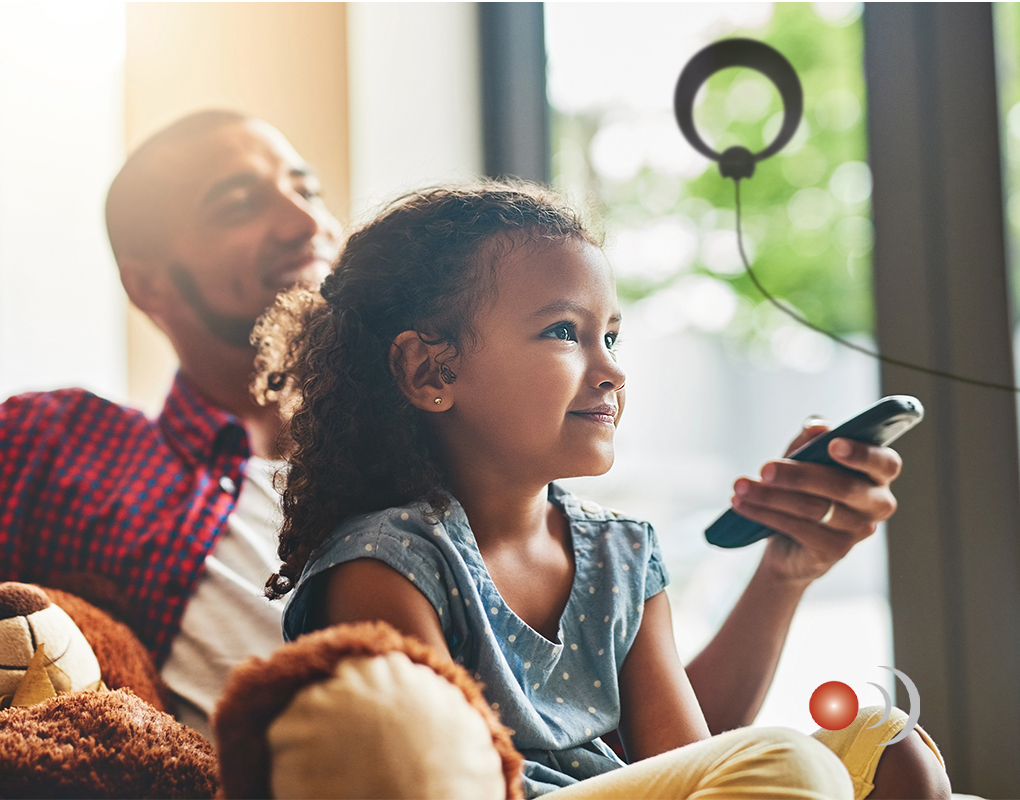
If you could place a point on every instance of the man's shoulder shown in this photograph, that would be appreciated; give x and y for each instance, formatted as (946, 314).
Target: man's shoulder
(64, 407)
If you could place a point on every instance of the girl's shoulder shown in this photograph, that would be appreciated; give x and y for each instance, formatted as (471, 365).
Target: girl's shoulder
(409, 539)
(612, 544)
(413, 519)
(582, 510)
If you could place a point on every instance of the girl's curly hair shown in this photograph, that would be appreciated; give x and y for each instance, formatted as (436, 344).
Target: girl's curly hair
(426, 263)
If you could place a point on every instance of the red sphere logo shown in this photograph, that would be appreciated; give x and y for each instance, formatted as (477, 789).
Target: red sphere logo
(833, 705)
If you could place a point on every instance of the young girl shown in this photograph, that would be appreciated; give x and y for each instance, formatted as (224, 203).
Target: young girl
(460, 359)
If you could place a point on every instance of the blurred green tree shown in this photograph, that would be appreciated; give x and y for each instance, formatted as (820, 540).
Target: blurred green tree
(806, 211)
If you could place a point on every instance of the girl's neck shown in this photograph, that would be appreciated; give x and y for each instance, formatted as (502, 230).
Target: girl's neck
(502, 515)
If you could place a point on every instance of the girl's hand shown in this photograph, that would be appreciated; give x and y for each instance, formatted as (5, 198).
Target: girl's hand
(793, 497)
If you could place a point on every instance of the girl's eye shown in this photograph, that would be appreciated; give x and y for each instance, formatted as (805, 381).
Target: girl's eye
(612, 338)
(564, 331)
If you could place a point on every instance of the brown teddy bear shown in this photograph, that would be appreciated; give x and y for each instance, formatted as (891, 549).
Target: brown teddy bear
(83, 707)
(352, 711)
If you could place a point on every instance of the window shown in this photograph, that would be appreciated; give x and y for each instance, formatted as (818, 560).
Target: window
(719, 380)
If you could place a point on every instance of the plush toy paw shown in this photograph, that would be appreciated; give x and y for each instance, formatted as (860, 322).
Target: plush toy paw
(101, 744)
(359, 711)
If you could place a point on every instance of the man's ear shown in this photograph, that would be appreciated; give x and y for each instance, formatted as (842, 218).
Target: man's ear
(413, 363)
(145, 284)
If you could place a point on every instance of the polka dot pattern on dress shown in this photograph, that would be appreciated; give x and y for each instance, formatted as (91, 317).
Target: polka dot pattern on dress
(524, 684)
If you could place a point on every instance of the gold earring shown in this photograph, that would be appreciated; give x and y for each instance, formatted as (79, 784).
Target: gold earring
(439, 400)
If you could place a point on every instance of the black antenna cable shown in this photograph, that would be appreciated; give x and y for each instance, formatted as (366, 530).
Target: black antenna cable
(738, 162)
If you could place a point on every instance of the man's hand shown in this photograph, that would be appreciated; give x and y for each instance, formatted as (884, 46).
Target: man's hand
(793, 497)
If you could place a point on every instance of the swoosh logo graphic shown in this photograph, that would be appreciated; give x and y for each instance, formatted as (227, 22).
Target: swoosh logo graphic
(915, 706)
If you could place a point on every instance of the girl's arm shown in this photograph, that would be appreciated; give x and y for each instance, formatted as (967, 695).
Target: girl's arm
(366, 590)
(658, 708)
(734, 671)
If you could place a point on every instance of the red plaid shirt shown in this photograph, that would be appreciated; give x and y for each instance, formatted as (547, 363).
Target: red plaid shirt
(89, 486)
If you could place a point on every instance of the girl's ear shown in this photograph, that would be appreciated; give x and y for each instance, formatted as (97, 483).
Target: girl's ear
(413, 363)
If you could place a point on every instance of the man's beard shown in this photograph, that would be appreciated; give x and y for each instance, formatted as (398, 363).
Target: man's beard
(235, 331)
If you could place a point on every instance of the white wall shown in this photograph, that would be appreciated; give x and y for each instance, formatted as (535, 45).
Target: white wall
(415, 98)
(414, 120)
(61, 142)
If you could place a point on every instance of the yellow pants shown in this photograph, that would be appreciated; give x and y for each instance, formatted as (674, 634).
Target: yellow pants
(759, 763)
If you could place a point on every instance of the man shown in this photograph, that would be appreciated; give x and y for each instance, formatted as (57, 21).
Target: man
(208, 220)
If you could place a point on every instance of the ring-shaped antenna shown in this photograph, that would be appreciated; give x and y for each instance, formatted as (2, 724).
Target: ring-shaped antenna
(738, 162)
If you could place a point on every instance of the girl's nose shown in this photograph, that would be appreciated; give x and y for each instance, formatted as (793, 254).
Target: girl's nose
(609, 374)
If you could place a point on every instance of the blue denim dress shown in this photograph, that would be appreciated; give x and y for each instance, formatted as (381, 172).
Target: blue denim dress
(558, 697)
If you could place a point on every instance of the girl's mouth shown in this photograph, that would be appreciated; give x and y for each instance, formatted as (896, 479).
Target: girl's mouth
(602, 415)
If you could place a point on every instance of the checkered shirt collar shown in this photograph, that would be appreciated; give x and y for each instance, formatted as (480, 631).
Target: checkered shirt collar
(196, 428)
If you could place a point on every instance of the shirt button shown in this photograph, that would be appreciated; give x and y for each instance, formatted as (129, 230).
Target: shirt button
(590, 508)
(227, 485)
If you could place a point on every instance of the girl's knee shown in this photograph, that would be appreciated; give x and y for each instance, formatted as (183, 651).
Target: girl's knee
(910, 769)
(787, 759)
